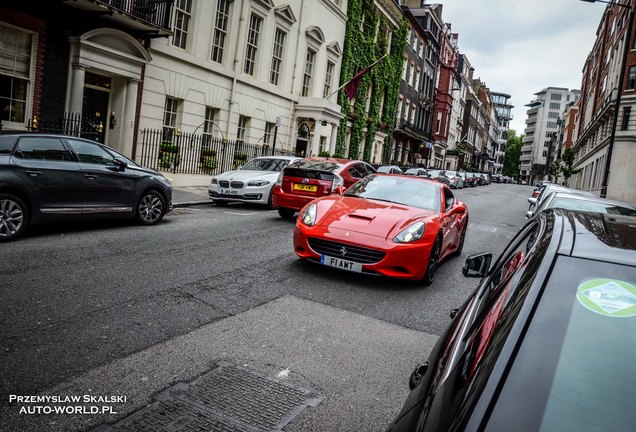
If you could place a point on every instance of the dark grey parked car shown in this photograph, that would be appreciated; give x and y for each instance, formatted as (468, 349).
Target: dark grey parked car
(545, 342)
(48, 178)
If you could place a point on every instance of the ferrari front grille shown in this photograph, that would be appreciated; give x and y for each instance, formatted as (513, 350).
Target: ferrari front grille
(346, 251)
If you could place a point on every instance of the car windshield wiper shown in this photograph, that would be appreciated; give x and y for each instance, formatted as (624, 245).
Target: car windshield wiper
(353, 196)
(385, 200)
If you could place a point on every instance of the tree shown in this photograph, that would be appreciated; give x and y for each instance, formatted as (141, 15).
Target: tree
(513, 154)
(567, 164)
(556, 169)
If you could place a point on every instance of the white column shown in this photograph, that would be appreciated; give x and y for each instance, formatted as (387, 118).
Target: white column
(314, 145)
(127, 120)
(77, 90)
(333, 139)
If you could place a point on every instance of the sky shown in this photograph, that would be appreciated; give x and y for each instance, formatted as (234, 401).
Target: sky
(520, 47)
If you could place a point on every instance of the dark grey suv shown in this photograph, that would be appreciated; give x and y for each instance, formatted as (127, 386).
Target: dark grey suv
(48, 178)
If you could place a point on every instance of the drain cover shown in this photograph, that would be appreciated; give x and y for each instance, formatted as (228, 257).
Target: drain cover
(226, 399)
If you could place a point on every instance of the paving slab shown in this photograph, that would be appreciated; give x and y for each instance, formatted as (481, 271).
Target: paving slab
(360, 365)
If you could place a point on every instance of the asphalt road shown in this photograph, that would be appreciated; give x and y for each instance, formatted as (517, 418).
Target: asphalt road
(81, 298)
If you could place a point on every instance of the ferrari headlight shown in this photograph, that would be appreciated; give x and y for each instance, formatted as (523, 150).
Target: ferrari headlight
(412, 233)
(309, 215)
(258, 183)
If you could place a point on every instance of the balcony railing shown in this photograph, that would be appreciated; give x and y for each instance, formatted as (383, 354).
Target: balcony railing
(407, 126)
(156, 12)
(143, 18)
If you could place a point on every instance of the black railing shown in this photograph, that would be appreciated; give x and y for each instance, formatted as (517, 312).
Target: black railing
(156, 12)
(196, 154)
(73, 124)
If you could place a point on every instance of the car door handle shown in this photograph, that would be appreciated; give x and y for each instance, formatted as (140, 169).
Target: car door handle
(90, 177)
(33, 173)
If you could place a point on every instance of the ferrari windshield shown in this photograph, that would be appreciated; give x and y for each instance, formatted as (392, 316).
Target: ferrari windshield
(265, 164)
(400, 190)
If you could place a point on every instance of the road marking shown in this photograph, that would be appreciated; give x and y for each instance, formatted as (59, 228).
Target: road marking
(486, 228)
(241, 214)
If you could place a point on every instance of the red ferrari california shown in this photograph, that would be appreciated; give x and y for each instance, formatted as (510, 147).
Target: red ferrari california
(390, 225)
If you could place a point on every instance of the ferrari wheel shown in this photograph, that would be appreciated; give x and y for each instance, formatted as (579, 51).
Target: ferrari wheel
(433, 262)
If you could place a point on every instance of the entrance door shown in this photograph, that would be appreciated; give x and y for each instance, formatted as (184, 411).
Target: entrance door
(95, 108)
(301, 147)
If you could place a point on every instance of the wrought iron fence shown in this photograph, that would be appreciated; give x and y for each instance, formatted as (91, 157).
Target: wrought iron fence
(196, 154)
(73, 124)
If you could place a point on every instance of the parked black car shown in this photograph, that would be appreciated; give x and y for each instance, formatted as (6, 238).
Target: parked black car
(546, 342)
(47, 178)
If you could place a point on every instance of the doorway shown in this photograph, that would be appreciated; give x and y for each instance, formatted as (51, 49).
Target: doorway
(95, 118)
(301, 147)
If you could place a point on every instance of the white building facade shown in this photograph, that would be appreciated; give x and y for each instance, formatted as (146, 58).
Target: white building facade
(541, 124)
(249, 70)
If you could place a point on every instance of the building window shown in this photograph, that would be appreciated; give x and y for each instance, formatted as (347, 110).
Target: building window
(328, 79)
(15, 72)
(220, 29)
(545, 153)
(552, 124)
(631, 80)
(252, 44)
(170, 113)
(277, 56)
(211, 115)
(269, 132)
(309, 69)
(553, 114)
(182, 12)
(242, 128)
(556, 96)
(555, 105)
(627, 111)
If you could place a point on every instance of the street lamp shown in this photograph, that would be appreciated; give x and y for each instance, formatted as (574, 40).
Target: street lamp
(213, 124)
(621, 79)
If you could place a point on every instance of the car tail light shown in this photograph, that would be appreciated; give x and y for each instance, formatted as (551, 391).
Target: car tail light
(337, 182)
(279, 181)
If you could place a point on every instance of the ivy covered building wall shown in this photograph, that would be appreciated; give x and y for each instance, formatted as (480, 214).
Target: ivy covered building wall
(374, 28)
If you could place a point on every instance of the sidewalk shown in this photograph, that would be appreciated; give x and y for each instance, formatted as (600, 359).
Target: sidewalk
(189, 189)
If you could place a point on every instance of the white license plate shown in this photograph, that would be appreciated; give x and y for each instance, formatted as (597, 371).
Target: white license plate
(229, 192)
(340, 263)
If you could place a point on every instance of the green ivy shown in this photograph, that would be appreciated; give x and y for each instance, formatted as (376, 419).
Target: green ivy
(360, 50)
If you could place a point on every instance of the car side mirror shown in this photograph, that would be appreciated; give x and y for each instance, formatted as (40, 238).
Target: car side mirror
(340, 190)
(477, 265)
(120, 164)
(532, 200)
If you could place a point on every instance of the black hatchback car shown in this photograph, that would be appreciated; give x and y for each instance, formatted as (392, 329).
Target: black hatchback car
(46, 178)
(546, 342)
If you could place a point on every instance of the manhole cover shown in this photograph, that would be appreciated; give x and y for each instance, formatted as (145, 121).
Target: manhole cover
(228, 398)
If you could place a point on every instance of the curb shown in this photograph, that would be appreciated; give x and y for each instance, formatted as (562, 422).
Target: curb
(191, 204)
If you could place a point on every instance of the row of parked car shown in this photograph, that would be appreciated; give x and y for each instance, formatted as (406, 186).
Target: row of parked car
(452, 178)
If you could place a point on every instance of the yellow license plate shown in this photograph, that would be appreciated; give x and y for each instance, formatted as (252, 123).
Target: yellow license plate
(307, 188)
